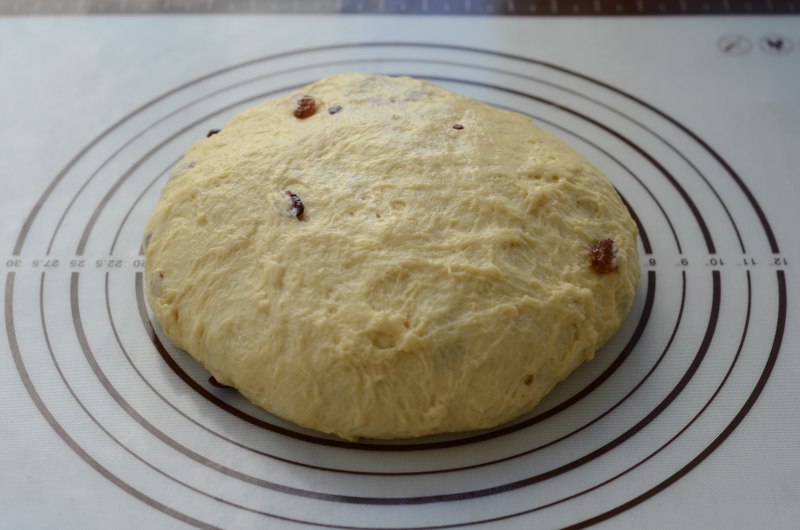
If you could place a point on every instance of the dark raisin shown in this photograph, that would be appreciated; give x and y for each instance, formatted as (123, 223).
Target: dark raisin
(160, 275)
(334, 109)
(602, 256)
(212, 132)
(306, 106)
(214, 382)
(458, 126)
(297, 204)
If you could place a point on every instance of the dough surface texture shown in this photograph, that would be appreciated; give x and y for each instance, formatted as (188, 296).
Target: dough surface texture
(438, 280)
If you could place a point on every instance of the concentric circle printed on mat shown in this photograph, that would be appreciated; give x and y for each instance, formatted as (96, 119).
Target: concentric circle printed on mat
(656, 400)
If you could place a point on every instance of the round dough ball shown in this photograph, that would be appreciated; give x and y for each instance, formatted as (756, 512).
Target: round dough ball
(440, 275)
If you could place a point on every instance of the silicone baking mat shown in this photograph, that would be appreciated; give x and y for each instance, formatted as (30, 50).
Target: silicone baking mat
(689, 417)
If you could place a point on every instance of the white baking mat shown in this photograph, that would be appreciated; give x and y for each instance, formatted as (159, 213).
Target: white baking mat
(688, 418)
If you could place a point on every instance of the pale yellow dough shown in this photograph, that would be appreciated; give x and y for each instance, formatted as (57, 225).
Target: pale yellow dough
(438, 281)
